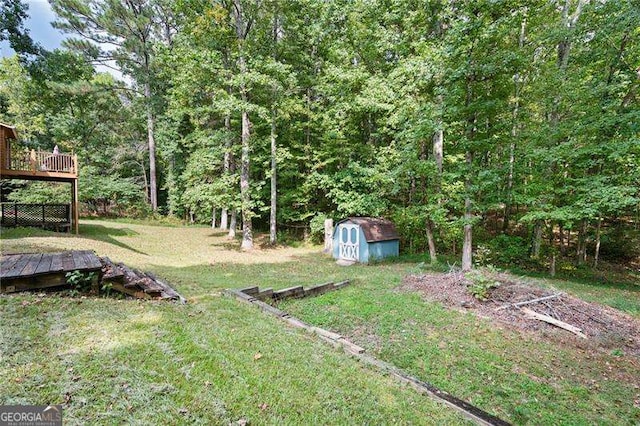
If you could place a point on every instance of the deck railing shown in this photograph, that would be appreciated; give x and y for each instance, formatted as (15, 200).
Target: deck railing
(42, 161)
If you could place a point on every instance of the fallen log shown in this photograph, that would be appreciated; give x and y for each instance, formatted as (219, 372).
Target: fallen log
(553, 321)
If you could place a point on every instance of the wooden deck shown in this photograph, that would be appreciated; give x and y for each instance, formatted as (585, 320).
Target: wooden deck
(40, 165)
(20, 272)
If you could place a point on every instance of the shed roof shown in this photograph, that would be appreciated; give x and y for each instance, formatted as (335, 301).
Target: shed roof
(374, 229)
(11, 129)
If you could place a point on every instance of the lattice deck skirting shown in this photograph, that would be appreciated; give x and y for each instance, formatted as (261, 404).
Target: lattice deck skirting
(49, 216)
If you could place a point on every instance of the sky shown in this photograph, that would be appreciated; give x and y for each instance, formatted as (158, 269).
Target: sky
(42, 32)
(40, 29)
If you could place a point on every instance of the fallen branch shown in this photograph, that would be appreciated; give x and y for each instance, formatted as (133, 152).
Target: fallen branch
(546, 318)
(527, 302)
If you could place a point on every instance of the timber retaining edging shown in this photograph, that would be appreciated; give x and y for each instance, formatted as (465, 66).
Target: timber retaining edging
(337, 341)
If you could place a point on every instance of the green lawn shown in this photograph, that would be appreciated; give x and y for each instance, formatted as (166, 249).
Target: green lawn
(118, 361)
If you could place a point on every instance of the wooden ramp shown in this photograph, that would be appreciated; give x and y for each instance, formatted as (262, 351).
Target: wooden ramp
(20, 272)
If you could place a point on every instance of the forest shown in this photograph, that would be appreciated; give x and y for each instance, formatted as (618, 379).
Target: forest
(495, 132)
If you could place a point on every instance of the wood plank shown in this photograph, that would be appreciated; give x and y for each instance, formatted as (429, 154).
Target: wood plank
(296, 291)
(553, 321)
(251, 291)
(45, 264)
(122, 289)
(33, 283)
(113, 272)
(17, 267)
(8, 261)
(67, 261)
(265, 294)
(56, 262)
(92, 261)
(89, 261)
(32, 265)
(326, 333)
(319, 289)
(78, 260)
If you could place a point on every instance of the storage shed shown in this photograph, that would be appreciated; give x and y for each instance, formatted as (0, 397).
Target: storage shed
(363, 239)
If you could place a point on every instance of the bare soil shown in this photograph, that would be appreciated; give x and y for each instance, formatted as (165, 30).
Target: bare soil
(606, 328)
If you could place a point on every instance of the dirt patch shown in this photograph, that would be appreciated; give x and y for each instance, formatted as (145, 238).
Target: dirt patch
(605, 327)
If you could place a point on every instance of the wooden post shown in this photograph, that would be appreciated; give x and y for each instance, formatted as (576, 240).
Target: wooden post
(32, 160)
(74, 205)
(328, 235)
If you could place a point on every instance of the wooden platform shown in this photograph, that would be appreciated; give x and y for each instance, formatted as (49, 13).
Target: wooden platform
(20, 272)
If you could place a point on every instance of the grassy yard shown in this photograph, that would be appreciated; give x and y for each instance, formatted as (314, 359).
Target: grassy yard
(115, 361)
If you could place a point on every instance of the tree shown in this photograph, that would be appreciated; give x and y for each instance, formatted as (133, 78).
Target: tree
(124, 33)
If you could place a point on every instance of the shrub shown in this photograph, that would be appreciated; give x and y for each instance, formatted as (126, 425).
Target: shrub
(480, 285)
(508, 249)
(317, 228)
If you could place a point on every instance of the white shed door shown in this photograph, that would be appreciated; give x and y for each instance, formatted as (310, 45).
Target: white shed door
(349, 242)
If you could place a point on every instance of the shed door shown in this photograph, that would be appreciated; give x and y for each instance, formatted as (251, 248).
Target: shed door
(349, 242)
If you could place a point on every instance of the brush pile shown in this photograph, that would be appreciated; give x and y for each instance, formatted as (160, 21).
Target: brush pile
(526, 306)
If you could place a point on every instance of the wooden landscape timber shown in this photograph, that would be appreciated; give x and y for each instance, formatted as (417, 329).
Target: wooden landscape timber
(295, 292)
(473, 413)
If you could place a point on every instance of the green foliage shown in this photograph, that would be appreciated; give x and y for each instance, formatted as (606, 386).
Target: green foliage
(316, 226)
(538, 113)
(481, 284)
(508, 249)
(79, 281)
(102, 193)
(41, 193)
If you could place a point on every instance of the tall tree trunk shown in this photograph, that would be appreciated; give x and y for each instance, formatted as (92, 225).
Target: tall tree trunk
(432, 245)
(153, 187)
(438, 155)
(561, 236)
(438, 140)
(233, 223)
(537, 239)
(467, 243)
(596, 255)
(274, 160)
(226, 167)
(581, 250)
(245, 190)
(213, 218)
(274, 184)
(517, 79)
(242, 28)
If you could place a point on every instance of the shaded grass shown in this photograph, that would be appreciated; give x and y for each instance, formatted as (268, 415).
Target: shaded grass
(144, 355)
(518, 376)
(156, 363)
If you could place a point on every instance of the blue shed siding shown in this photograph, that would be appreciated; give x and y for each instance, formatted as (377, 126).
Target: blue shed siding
(364, 247)
(367, 251)
(336, 243)
(382, 249)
